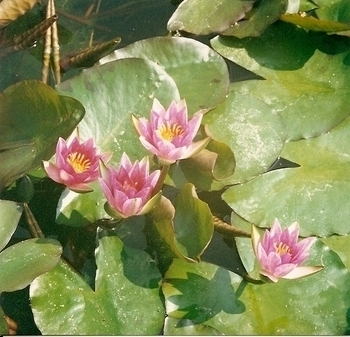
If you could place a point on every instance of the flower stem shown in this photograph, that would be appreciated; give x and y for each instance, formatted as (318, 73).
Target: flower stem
(160, 182)
(228, 230)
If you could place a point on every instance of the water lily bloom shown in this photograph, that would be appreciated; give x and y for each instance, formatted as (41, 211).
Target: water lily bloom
(169, 134)
(280, 254)
(129, 188)
(77, 164)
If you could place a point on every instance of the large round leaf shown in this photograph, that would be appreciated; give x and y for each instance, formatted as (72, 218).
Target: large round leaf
(200, 73)
(307, 75)
(234, 307)
(251, 129)
(303, 306)
(205, 17)
(111, 93)
(22, 262)
(315, 194)
(262, 15)
(126, 299)
(32, 117)
(10, 213)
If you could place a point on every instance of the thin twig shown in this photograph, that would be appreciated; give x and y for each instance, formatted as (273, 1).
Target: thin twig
(228, 230)
(47, 49)
(34, 228)
(55, 46)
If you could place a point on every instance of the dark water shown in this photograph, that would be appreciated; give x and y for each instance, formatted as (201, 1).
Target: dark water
(131, 20)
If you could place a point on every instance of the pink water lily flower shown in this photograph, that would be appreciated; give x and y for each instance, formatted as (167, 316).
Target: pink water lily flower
(280, 254)
(169, 134)
(129, 188)
(76, 163)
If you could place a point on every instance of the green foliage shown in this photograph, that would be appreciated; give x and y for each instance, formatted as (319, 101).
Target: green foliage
(22, 262)
(125, 300)
(203, 17)
(312, 193)
(308, 89)
(32, 117)
(154, 273)
(232, 306)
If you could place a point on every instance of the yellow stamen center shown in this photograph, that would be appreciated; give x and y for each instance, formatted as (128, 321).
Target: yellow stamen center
(79, 162)
(127, 185)
(169, 132)
(282, 248)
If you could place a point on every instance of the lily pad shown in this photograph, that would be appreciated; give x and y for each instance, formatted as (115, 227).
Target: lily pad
(125, 300)
(263, 14)
(312, 194)
(10, 213)
(80, 210)
(307, 76)
(195, 68)
(203, 17)
(22, 262)
(288, 307)
(235, 307)
(111, 93)
(251, 129)
(32, 117)
(187, 227)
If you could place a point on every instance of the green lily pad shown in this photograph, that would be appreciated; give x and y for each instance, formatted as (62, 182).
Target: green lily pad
(195, 68)
(335, 10)
(80, 210)
(307, 76)
(206, 169)
(193, 223)
(251, 129)
(125, 301)
(199, 292)
(186, 226)
(234, 307)
(263, 14)
(22, 262)
(111, 93)
(32, 117)
(185, 327)
(10, 213)
(203, 17)
(289, 307)
(312, 194)
(339, 244)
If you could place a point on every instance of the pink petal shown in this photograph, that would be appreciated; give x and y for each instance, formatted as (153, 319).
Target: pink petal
(302, 271)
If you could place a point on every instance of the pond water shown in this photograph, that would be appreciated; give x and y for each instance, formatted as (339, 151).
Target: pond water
(130, 20)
